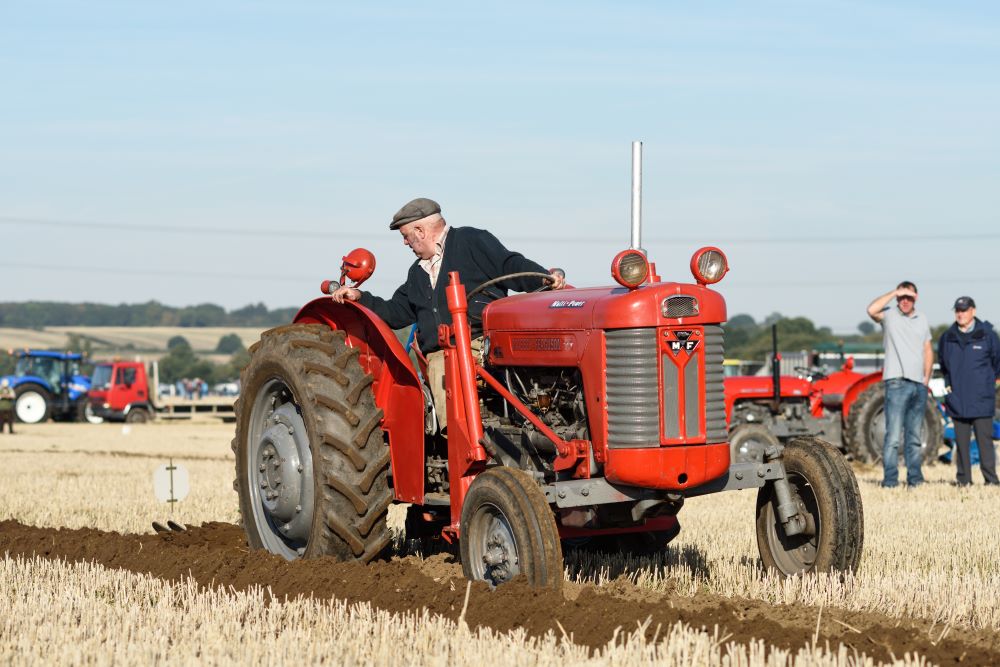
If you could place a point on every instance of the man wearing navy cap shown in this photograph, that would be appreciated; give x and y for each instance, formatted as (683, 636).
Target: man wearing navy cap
(969, 354)
(476, 254)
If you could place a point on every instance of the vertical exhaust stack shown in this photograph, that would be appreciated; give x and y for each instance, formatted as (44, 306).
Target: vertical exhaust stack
(636, 242)
(775, 368)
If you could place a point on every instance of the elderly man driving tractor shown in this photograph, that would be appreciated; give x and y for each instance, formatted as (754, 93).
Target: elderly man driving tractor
(478, 257)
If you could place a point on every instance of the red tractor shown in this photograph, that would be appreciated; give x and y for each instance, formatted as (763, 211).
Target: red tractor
(588, 413)
(845, 407)
(763, 411)
(852, 405)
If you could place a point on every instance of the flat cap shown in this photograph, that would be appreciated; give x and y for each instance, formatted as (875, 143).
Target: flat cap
(413, 211)
(964, 303)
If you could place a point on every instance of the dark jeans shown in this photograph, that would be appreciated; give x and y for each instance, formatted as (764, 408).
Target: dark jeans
(904, 415)
(8, 417)
(984, 438)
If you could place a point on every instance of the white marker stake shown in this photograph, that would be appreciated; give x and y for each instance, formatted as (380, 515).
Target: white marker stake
(171, 484)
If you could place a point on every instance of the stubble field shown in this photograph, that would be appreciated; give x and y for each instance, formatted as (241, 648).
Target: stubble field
(109, 591)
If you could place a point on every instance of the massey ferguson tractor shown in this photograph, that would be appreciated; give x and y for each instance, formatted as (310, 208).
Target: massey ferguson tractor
(587, 413)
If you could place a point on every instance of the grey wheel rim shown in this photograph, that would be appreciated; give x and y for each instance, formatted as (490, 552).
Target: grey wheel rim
(90, 415)
(751, 449)
(796, 553)
(492, 547)
(30, 407)
(279, 471)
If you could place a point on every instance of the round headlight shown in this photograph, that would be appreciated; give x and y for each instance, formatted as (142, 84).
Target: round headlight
(709, 265)
(629, 268)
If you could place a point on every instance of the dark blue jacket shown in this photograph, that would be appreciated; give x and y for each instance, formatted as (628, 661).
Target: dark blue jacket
(971, 365)
(478, 256)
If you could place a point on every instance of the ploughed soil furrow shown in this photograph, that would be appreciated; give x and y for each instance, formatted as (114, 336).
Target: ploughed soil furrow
(216, 554)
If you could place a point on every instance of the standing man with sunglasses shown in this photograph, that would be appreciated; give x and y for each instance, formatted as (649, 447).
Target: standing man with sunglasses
(909, 358)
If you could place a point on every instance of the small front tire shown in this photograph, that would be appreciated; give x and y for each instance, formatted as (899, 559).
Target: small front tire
(826, 491)
(509, 530)
(85, 412)
(748, 442)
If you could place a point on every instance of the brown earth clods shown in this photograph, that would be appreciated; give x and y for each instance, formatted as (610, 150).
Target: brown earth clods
(216, 555)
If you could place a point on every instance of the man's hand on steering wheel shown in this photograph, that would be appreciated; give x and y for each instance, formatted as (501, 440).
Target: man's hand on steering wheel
(558, 278)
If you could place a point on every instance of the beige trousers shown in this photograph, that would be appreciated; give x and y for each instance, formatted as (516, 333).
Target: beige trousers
(435, 378)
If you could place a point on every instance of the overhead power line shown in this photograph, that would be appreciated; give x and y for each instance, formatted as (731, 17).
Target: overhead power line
(731, 284)
(63, 269)
(285, 233)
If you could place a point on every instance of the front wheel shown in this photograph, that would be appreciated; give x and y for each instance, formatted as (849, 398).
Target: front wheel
(85, 412)
(33, 404)
(312, 466)
(826, 492)
(749, 442)
(508, 530)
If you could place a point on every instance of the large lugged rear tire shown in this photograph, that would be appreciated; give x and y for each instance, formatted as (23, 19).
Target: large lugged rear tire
(33, 404)
(866, 424)
(311, 461)
(826, 490)
(508, 530)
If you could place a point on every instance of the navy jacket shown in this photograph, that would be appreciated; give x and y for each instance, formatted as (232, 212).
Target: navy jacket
(478, 256)
(971, 365)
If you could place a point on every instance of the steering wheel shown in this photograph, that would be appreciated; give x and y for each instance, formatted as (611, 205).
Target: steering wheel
(813, 373)
(522, 274)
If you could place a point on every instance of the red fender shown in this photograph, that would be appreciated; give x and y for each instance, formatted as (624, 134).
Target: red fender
(855, 390)
(396, 386)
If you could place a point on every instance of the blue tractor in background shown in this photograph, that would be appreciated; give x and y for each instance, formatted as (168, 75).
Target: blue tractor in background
(50, 384)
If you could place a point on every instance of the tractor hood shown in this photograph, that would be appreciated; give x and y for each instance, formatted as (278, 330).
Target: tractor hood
(616, 307)
(762, 386)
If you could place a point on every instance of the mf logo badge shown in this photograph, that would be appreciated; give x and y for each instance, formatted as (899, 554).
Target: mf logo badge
(683, 342)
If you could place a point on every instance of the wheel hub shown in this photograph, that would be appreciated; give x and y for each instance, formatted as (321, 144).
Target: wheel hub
(796, 553)
(282, 473)
(499, 553)
(30, 407)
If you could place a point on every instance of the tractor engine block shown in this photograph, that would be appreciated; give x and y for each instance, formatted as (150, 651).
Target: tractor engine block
(555, 395)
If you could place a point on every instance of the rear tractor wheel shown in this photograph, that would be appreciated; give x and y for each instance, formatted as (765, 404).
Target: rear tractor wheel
(508, 530)
(33, 404)
(311, 462)
(866, 424)
(826, 492)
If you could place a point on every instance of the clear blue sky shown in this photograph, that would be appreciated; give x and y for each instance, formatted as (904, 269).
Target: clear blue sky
(232, 152)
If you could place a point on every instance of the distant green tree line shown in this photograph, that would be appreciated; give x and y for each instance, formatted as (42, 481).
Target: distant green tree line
(37, 314)
(751, 340)
(181, 362)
